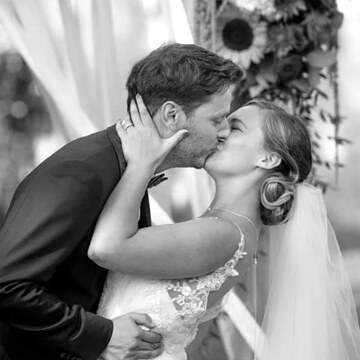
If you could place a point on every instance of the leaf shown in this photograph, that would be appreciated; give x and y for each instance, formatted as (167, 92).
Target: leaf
(322, 116)
(314, 76)
(315, 144)
(316, 98)
(320, 59)
(321, 184)
(336, 119)
(262, 253)
(340, 140)
(321, 93)
(267, 71)
(301, 84)
(339, 165)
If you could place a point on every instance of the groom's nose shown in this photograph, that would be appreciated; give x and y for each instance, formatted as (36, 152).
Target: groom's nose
(224, 130)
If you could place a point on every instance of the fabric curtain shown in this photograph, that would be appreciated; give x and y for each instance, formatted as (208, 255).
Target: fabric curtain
(81, 52)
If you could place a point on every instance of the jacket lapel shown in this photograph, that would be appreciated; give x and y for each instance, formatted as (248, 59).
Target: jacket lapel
(145, 217)
(116, 142)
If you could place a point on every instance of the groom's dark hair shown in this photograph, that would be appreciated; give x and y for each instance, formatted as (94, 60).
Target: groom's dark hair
(184, 73)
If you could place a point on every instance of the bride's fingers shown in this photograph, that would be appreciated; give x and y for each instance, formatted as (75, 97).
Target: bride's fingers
(144, 113)
(126, 122)
(134, 114)
(120, 129)
(170, 142)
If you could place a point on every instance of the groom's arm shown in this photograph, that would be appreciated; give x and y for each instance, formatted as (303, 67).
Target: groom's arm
(48, 218)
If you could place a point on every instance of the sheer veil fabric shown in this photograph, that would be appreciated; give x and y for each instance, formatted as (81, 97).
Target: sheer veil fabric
(310, 312)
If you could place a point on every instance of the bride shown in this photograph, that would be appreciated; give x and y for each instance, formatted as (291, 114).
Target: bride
(179, 274)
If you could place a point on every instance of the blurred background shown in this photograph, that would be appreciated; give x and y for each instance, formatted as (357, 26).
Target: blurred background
(64, 64)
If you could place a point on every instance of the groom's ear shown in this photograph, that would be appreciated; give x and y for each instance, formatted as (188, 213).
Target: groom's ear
(172, 115)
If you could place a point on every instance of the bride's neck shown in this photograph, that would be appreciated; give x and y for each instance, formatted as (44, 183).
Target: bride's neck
(238, 196)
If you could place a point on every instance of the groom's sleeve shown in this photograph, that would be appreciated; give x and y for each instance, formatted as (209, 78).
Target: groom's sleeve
(40, 231)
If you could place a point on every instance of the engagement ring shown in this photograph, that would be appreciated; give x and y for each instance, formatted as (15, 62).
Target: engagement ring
(129, 125)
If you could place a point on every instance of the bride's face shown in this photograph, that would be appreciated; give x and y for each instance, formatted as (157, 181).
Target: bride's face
(244, 149)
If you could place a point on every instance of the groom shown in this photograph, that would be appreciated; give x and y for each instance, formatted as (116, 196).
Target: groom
(49, 289)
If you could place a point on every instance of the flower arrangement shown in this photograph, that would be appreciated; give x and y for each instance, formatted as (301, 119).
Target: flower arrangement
(285, 48)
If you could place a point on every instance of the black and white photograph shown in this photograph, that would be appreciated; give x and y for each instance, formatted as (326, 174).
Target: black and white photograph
(179, 180)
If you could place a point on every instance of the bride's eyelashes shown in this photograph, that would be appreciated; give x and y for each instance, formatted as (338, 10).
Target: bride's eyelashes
(237, 125)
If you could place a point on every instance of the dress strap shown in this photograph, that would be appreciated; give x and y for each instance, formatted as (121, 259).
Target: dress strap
(251, 222)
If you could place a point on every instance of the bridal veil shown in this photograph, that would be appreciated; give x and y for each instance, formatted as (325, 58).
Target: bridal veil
(310, 312)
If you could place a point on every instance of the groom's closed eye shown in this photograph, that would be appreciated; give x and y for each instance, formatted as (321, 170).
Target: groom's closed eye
(218, 120)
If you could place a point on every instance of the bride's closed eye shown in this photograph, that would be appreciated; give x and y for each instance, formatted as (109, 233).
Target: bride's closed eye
(236, 128)
(237, 125)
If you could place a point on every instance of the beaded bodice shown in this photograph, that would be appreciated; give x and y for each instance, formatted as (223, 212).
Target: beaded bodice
(176, 307)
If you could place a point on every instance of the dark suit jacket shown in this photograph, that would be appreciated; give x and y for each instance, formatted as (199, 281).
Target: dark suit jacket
(49, 289)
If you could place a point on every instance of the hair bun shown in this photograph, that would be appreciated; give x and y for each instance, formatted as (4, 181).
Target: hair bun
(277, 195)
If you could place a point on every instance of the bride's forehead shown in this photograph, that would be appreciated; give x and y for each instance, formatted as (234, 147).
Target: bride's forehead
(247, 114)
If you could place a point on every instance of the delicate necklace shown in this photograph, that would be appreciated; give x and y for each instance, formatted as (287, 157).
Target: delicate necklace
(239, 215)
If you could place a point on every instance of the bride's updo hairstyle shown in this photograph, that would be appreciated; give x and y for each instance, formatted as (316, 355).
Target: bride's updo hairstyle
(287, 136)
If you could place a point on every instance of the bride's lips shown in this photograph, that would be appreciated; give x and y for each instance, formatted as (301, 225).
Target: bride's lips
(216, 150)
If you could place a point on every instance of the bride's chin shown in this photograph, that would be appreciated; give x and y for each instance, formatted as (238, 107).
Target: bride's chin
(210, 165)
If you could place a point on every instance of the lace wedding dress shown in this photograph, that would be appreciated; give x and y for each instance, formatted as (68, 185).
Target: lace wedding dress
(176, 307)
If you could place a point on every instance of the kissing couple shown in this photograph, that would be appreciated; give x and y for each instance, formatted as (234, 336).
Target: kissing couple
(84, 275)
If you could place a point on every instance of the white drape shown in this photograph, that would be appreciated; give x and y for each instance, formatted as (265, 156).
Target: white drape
(81, 52)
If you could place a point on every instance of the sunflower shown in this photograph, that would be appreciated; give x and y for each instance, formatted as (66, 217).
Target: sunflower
(240, 36)
(284, 38)
(286, 9)
(264, 7)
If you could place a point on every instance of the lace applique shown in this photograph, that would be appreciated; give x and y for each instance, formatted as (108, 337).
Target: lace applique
(190, 296)
(175, 306)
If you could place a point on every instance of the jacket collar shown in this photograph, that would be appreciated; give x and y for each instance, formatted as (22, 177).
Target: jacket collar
(145, 218)
(116, 142)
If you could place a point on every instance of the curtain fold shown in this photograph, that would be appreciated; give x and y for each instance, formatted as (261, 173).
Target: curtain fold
(81, 52)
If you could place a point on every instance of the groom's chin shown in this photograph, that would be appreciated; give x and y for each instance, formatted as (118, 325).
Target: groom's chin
(211, 155)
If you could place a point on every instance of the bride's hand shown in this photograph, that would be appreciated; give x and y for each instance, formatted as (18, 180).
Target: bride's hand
(141, 142)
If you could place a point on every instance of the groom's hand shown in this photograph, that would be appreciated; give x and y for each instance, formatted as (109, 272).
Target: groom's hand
(129, 340)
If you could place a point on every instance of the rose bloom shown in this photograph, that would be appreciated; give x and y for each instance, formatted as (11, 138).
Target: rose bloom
(322, 29)
(284, 38)
(322, 4)
(286, 9)
(289, 68)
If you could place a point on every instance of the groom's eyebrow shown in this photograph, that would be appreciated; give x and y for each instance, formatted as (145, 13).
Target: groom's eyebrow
(221, 114)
